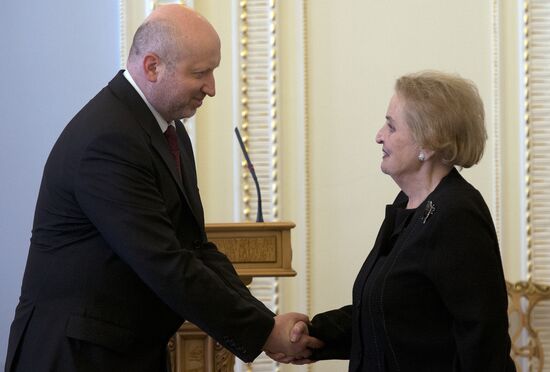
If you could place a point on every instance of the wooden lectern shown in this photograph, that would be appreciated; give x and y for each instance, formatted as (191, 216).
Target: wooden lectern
(256, 249)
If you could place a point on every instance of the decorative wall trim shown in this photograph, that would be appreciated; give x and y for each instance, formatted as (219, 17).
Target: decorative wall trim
(527, 144)
(307, 156)
(123, 33)
(497, 139)
(307, 161)
(259, 104)
(536, 122)
(536, 135)
(259, 129)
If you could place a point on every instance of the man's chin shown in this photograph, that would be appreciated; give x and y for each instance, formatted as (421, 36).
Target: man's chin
(189, 113)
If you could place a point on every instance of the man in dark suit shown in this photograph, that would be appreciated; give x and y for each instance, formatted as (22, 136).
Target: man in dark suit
(119, 257)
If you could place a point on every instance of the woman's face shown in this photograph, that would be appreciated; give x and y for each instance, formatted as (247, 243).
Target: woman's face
(399, 150)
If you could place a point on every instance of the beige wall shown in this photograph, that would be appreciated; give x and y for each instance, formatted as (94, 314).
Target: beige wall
(215, 123)
(511, 126)
(355, 51)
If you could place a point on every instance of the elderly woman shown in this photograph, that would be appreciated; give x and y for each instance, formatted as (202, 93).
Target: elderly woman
(431, 295)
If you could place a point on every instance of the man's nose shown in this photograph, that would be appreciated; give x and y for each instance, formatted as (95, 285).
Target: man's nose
(209, 87)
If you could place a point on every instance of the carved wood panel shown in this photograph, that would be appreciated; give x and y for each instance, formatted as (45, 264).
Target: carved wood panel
(192, 350)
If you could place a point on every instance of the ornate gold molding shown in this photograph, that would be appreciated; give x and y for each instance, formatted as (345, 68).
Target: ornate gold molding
(526, 343)
(262, 67)
(269, 76)
(244, 107)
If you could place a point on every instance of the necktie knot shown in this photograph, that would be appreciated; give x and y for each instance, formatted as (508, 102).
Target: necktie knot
(172, 139)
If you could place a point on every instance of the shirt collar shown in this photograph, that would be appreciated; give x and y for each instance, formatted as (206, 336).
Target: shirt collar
(163, 124)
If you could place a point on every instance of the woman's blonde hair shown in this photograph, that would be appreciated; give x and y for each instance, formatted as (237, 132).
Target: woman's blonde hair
(445, 114)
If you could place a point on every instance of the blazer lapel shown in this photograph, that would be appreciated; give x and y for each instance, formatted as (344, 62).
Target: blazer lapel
(379, 244)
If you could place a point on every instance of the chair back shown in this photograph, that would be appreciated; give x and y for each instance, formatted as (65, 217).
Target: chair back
(527, 348)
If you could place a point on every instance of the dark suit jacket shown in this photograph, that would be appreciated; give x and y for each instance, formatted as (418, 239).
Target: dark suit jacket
(118, 256)
(432, 298)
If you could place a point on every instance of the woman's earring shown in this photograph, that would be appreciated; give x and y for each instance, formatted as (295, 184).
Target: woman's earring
(421, 156)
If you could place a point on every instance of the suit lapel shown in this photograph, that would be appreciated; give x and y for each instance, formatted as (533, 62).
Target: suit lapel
(188, 173)
(187, 184)
(126, 93)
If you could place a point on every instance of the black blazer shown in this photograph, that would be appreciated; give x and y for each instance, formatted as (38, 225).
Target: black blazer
(432, 298)
(118, 256)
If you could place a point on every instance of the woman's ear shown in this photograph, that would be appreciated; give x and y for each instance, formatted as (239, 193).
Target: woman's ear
(425, 154)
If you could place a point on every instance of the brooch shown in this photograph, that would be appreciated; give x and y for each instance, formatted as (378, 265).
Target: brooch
(428, 211)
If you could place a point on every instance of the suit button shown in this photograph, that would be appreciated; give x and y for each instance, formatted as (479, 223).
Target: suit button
(197, 243)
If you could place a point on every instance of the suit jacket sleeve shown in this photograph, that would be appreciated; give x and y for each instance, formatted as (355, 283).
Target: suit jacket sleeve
(220, 264)
(116, 188)
(334, 329)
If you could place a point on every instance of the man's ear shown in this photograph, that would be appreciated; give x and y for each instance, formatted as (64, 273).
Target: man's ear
(151, 67)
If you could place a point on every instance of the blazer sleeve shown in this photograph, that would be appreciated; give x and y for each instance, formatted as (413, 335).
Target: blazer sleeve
(220, 264)
(466, 269)
(334, 329)
(116, 188)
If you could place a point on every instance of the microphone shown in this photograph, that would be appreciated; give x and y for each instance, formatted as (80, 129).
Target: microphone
(259, 215)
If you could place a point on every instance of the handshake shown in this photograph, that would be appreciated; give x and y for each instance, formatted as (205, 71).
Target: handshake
(289, 341)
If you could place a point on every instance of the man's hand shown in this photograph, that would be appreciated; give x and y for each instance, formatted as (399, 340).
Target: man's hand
(289, 340)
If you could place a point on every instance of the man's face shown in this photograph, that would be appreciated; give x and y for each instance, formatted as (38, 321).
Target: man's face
(182, 87)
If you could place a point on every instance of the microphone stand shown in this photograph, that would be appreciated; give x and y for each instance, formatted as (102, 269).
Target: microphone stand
(259, 215)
